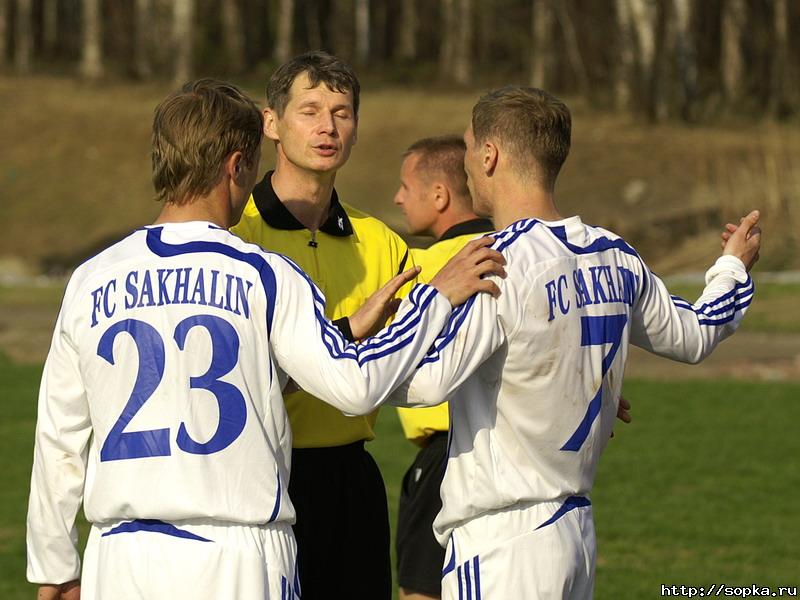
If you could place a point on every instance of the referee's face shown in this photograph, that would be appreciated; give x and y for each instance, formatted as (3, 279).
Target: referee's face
(318, 127)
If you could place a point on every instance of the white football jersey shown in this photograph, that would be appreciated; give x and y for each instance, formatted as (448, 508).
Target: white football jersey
(537, 373)
(162, 388)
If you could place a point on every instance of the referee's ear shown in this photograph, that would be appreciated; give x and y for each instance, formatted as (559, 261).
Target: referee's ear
(270, 124)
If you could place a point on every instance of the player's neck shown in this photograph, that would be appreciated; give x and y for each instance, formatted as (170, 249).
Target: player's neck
(518, 204)
(305, 194)
(207, 208)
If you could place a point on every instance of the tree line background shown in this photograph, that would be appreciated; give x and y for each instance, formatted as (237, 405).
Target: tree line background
(687, 59)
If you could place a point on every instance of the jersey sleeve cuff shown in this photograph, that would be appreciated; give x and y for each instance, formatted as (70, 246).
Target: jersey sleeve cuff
(728, 264)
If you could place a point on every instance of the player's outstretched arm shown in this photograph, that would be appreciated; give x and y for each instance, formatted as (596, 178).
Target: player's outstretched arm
(456, 281)
(675, 328)
(356, 378)
(473, 333)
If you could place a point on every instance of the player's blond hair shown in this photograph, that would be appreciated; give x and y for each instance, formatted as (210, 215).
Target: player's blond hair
(533, 126)
(194, 130)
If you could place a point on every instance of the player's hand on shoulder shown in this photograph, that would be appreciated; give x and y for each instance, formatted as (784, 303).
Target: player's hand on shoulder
(64, 591)
(463, 275)
(744, 240)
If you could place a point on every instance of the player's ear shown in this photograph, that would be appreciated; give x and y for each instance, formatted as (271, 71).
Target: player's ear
(234, 166)
(490, 158)
(270, 124)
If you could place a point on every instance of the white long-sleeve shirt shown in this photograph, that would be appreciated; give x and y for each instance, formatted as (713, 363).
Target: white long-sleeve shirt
(161, 394)
(534, 376)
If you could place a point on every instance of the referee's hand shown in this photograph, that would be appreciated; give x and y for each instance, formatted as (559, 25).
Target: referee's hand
(463, 275)
(373, 314)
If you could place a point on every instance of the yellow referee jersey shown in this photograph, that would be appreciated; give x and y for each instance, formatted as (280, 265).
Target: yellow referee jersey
(419, 423)
(350, 257)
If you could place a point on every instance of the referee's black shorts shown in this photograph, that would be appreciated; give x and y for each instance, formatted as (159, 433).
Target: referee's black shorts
(342, 527)
(420, 558)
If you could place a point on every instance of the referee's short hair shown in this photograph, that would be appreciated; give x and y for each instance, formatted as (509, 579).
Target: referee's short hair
(531, 125)
(320, 67)
(194, 130)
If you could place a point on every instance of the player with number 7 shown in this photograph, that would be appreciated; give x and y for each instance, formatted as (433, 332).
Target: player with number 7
(535, 374)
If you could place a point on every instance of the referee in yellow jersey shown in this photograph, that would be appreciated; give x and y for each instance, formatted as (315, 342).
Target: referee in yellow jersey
(342, 526)
(435, 200)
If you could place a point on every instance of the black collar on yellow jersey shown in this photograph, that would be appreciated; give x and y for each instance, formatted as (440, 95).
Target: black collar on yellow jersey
(472, 226)
(277, 216)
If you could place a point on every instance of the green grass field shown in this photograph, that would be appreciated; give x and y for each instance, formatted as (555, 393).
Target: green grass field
(698, 490)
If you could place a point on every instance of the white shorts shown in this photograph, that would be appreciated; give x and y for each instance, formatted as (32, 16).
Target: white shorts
(194, 559)
(543, 551)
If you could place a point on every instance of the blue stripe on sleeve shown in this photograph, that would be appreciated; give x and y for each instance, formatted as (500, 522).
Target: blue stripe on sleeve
(393, 338)
(738, 298)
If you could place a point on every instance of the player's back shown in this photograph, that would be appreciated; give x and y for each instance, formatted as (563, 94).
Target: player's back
(170, 333)
(534, 418)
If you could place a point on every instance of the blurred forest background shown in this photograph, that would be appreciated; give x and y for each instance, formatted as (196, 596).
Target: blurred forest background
(686, 59)
(686, 112)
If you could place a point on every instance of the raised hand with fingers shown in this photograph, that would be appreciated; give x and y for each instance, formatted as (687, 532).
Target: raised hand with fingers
(463, 275)
(373, 314)
(744, 240)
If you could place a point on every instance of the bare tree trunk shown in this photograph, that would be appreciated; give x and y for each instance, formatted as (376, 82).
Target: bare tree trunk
(448, 42)
(23, 48)
(542, 22)
(734, 14)
(92, 40)
(462, 71)
(779, 75)
(182, 29)
(362, 32)
(313, 29)
(408, 30)
(3, 32)
(486, 30)
(142, 39)
(643, 16)
(233, 35)
(658, 108)
(572, 46)
(686, 57)
(626, 57)
(283, 39)
(49, 26)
